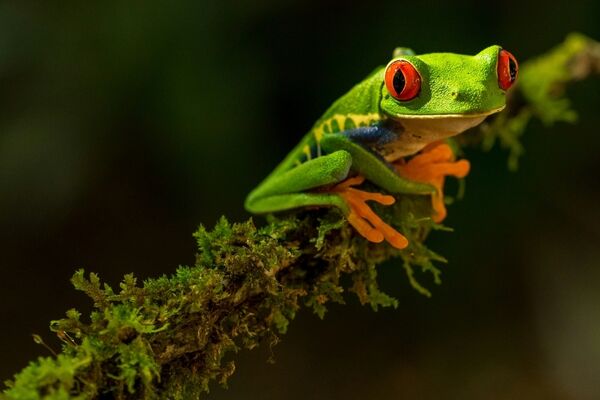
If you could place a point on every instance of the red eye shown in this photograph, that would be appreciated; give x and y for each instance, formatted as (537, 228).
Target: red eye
(402, 80)
(508, 69)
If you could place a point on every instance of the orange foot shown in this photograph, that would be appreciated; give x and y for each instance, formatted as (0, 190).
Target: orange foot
(363, 219)
(432, 165)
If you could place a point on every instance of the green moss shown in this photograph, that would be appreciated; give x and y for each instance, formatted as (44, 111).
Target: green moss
(171, 336)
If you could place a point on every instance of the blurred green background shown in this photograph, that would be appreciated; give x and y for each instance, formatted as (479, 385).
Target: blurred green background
(124, 125)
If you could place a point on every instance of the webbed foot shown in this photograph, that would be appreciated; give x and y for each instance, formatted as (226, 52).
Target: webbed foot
(432, 165)
(363, 219)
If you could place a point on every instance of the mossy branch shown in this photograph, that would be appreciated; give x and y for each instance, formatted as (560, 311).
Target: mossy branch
(170, 337)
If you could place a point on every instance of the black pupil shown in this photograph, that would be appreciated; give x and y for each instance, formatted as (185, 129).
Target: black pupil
(512, 68)
(399, 81)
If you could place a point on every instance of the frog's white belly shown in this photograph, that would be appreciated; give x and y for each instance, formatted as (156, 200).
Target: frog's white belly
(418, 132)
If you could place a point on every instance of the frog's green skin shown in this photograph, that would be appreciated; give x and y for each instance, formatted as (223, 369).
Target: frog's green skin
(366, 129)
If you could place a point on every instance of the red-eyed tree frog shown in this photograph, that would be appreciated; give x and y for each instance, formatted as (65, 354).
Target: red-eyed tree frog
(389, 129)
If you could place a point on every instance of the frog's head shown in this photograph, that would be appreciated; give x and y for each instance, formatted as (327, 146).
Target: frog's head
(446, 85)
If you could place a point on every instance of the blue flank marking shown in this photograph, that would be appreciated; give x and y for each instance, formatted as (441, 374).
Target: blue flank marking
(375, 134)
(372, 135)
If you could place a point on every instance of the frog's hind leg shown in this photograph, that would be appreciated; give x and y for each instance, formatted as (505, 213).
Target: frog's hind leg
(350, 201)
(432, 165)
(292, 189)
(283, 202)
(321, 171)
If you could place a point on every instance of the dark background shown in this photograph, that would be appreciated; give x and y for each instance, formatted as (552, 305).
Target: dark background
(125, 124)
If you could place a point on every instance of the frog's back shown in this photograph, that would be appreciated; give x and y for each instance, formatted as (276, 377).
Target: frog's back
(359, 107)
(363, 99)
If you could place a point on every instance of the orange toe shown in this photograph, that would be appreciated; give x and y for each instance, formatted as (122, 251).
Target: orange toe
(363, 218)
(355, 180)
(364, 228)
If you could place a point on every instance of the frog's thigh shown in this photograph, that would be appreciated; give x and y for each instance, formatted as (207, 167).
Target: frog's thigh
(373, 168)
(325, 170)
(283, 202)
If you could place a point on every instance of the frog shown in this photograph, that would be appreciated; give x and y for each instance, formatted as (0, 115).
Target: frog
(393, 129)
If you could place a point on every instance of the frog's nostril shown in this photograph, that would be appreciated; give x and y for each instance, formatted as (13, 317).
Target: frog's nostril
(456, 94)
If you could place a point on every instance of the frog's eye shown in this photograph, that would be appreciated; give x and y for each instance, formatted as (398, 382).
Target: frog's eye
(508, 69)
(402, 80)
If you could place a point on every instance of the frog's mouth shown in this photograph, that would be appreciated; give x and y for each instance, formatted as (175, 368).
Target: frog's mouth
(444, 116)
(417, 131)
(441, 126)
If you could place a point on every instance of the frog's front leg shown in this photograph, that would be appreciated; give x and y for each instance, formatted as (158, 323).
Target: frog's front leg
(374, 168)
(425, 173)
(310, 184)
(432, 165)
